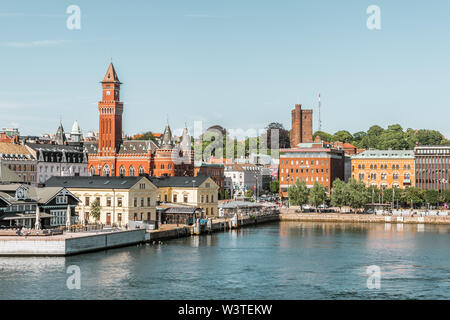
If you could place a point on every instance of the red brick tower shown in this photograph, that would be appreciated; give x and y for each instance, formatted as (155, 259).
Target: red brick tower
(110, 109)
(301, 131)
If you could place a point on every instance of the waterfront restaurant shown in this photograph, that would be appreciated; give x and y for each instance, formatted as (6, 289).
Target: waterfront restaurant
(199, 191)
(18, 204)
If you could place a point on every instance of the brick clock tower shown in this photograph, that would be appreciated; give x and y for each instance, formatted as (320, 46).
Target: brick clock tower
(110, 109)
(112, 156)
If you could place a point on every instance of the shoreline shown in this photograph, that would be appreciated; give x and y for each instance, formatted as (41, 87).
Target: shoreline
(79, 243)
(363, 218)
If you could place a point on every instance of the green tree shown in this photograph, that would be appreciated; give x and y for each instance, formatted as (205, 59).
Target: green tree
(445, 196)
(274, 186)
(339, 194)
(298, 193)
(146, 136)
(248, 193)
(413, 195)
(227, 194)
(324, 136)
(343, 136)
(371, 139)
(317, 194)
(95, 209)
(358, 195)
(432, 197)
(393, 137)
(283, 135)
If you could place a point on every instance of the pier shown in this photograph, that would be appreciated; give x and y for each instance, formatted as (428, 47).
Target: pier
(71, 243)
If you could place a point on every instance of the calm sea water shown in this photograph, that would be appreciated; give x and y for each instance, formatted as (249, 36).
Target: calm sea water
(275, 261)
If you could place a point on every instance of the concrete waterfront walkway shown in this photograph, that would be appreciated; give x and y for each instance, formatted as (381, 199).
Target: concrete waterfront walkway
(361, 218)
(71, 243)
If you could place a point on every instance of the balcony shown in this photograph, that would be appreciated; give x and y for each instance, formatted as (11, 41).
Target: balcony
(406, 181)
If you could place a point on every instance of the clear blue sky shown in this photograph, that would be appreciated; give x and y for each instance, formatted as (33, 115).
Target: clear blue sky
(237, 63)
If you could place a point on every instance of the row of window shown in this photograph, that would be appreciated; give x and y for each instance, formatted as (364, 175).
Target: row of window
(87, 201)
(301, 162)
(306, 179)
(305, 170)
(395, 176)
(383, 166)
(20, 167)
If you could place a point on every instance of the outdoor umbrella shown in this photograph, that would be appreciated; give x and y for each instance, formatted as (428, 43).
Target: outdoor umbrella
(68, 216)
(37, 225)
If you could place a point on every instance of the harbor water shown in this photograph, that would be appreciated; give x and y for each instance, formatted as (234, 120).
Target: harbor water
(285, 260)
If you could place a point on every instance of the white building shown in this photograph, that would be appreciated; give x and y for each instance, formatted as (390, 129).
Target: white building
(242, 177)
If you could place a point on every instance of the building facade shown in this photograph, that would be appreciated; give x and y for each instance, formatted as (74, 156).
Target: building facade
(302, 130)
(432, 167)
(311, 162)
(384, 168)
(242, 177)
(122, 199)
(18, 205)
(215, 171)
(113, 156)
(198, 192)
(20, 160)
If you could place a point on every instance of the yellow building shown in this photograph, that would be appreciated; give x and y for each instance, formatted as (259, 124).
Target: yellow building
(124, 199)
(121, 199)
(200, 191)
(384, 168)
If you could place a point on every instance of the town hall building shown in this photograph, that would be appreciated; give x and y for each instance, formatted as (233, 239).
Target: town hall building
(111, 155)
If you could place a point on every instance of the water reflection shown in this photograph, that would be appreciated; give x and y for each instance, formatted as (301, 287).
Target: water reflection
(292, 260)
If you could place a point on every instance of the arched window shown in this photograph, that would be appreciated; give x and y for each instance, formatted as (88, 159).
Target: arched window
(373, 176)
(122, 171)
(383, 176)
(407, 176)
(395, 176)
(106, 171)
(92, 170)
(131, 171)
(141, 170)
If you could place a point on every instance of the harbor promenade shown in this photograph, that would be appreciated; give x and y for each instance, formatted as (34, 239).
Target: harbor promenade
(414, 217)
(70, 243)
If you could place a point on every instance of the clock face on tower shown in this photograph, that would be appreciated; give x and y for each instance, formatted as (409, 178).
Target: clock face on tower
(108, 93)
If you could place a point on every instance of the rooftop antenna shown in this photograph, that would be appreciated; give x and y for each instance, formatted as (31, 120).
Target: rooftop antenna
(320, 120)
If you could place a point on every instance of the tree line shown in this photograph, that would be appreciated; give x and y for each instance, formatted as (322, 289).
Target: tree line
(393, 137)
(355, 195)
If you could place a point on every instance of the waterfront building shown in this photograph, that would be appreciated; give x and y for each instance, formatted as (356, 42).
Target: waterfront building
(311, 162)
(384, 168)
(215, 171)
(122, 199)
(20, 160)
(178, 214)
(432, 167)
(302, 130)
(242, 177)
(18, 204)
(111, 155)
(200, 192)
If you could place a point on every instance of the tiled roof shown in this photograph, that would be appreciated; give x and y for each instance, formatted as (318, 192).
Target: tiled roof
(94, 182)
(137, 146)
(162, 182)
(10, 151)
(372, 154)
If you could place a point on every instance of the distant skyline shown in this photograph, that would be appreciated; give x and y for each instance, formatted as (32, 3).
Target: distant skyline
(239, 64)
